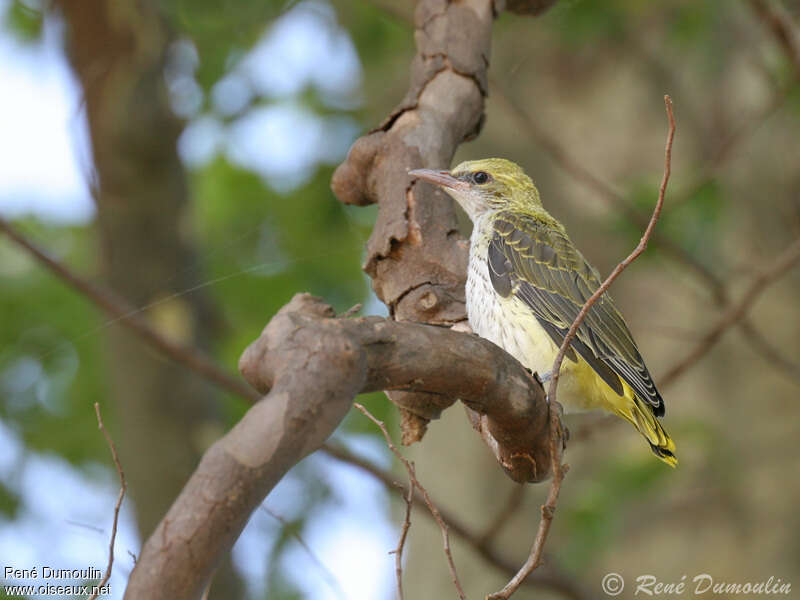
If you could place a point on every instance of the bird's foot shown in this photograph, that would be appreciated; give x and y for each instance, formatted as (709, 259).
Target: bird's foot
(544, 377)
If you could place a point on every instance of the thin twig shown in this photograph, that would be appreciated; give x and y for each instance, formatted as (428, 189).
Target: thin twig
(130, 317)
(606, 191)
(122, 489)
(787, 259)
(352, 311)
(552, 578)
(761, 345)
(782, 28)
(512, 504)
(398, 552)
(119, 310)
(99, 530)
(724, 149)
(412, 476)
(549, 507)
(207, 589)
(329, 577)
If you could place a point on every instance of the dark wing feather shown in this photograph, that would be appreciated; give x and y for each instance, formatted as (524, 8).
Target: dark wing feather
(541, 266)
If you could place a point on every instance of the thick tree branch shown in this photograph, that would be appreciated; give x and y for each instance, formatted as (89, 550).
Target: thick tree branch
(312, 365)
(415, 256)
(419, 358)
(130, 317)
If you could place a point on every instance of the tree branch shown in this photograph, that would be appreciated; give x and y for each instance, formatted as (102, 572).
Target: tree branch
(129, 316)
(413, 483)
(132, 318)
(549, 577)
(736, 312)
(312, 365)
(556, 435)
(123, 487)
(715, 284)
(415, 256)
(782, 28)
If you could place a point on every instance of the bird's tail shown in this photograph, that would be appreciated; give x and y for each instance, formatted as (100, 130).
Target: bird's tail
(642, 417)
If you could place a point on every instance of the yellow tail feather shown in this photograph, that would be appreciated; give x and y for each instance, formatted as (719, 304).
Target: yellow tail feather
(647, 423)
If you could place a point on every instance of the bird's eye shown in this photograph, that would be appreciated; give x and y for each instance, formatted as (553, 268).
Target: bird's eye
(481, 177)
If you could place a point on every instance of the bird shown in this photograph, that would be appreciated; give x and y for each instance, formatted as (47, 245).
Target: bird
(526, 283)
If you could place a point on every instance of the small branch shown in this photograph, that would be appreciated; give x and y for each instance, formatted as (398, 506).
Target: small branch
(398, 551)
(512, 504)
(414, 483)
(224, 381)
(549, 507)
(591, 181)
(117, 506)
(773, 357)
(552, 579)
(329, 577)
(641, 246)
(782, 28)
(130, 317)
(736, 312)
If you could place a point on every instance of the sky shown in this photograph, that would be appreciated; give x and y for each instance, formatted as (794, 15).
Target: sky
(45, 170)
(44, 156)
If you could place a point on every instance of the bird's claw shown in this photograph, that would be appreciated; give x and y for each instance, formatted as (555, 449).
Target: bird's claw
(544, 377)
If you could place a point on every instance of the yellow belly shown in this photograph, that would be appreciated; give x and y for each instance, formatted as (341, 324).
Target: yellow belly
(510, 323)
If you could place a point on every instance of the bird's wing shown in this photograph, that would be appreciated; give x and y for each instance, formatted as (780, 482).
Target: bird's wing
(542, 267)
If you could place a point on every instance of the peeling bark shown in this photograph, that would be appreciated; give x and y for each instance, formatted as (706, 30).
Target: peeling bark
(311, 365)
(415, 256)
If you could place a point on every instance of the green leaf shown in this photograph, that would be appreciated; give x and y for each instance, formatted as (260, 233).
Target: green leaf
(9, 502)
(24, 21)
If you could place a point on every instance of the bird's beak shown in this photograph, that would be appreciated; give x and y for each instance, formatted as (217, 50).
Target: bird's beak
(440, 178)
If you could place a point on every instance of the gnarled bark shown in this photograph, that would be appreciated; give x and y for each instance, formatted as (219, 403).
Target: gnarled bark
(311, 365)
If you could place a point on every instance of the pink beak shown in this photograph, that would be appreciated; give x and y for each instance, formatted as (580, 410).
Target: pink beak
(440, 178)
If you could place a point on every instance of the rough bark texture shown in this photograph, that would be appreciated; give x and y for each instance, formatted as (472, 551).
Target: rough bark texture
(118, 50)
(311, 366)
(529, 7)
(415, 256)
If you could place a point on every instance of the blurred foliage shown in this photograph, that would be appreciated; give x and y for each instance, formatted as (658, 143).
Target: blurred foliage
(9, 502)
(220, 31)
(693, 222)
(595, 514)
(24, 20)
(51, 367)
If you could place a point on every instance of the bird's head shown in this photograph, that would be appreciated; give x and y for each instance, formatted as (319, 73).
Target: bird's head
(486, 185)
